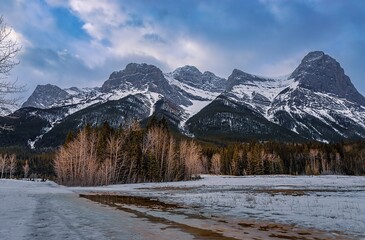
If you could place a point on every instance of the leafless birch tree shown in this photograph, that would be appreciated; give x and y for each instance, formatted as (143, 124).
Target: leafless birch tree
(3, 164)
(26, 168)
(12, 165)
(216, 164)
(190, 153)
(9, 48)
(76, 164)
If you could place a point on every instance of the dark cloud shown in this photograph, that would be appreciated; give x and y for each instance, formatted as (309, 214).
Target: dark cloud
(42, 66)
(255, 36)
(272, 31)
(241, 26)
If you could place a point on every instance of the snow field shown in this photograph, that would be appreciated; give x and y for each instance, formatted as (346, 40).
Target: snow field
(38, 210)
(45, 210)
(329, 203)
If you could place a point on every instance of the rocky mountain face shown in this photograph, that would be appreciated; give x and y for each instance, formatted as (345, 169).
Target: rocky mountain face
(315, 102)
(44, 96)
(319, 72)
(191, 76)
(322, 103)
(143, 77)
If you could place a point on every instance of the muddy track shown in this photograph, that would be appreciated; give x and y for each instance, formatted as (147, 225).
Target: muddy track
(200, 226)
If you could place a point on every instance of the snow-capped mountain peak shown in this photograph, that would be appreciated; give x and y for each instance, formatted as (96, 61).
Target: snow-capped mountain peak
(191, 76)
(324, 105)
(317, 101)
(321, 73)
(45, 96)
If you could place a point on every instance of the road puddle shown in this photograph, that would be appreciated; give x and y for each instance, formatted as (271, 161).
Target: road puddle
(110, 199)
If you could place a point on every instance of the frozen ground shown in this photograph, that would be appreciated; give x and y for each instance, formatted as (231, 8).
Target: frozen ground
(335, 204)
(261, 207)
(46, 211)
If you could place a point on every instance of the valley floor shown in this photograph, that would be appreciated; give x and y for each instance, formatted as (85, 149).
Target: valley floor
(215, 207)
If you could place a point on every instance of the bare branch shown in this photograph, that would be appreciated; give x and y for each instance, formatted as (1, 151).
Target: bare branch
(9, 48)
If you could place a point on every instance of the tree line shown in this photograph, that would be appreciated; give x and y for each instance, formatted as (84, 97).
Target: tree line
(17, 162)
(311, 158)
(101, 156)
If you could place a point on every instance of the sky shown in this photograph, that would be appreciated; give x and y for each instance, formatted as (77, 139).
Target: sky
(80, 43)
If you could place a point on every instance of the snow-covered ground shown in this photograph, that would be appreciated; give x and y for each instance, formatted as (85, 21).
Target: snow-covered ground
(46, 211)
(329, 203)
(262, 207)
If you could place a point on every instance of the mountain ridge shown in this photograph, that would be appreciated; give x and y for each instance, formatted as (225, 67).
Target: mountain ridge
(317, 101)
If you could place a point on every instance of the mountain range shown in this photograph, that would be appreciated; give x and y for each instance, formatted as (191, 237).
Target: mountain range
(317, 101)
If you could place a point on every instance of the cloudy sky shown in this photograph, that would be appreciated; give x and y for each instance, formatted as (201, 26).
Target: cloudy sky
(80, 42)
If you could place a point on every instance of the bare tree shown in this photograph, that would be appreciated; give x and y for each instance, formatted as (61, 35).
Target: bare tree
(171, 164)
(313, 167)
(9, 48)
(76, 163)
(12, 165)
(156, 143)
(3, 164)
(26, 168)
(190, 154)
(109, 169)
(216, 164)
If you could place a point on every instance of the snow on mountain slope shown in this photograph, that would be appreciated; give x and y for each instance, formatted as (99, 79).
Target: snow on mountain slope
(260, 94)
(323, 105)
(303, 106)
(268, 88)
(317, 101)
(254, 91)
(191, 93)
(273, 97)
(198, 97)
(6, 110)
(39, 99)
(31, 143)
(90, 97)
(191, 76)
(145, 82)
(86, 99)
